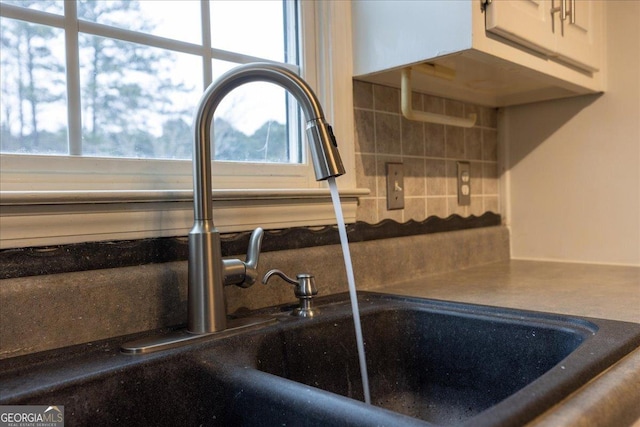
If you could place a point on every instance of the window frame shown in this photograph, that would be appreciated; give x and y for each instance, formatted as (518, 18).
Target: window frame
(297, 175)
(68, 202)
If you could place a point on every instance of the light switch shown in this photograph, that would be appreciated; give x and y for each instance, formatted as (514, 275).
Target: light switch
(395, 186)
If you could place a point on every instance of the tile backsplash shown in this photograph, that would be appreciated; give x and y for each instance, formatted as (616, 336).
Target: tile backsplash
(429, 153)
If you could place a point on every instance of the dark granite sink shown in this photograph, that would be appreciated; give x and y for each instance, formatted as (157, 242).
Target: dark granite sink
(432, 365)
(439, 364)
(429, 362)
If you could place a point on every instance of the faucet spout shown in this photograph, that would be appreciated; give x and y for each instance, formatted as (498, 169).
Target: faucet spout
(206, 307)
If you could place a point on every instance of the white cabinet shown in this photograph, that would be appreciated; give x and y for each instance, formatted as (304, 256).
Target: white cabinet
(527, 22)
(568, 30)
(505, 52)
(582, 36)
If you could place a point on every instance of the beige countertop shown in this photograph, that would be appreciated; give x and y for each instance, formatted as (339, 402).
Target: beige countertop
(609, 292)
(602, 291)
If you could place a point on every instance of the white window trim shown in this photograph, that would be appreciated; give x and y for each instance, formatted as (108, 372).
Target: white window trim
(35, 210)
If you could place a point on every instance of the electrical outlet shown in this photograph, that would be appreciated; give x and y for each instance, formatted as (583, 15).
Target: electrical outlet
(395, 186)
(464, 184)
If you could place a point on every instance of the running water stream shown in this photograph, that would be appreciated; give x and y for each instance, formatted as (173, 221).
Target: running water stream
(352, 287)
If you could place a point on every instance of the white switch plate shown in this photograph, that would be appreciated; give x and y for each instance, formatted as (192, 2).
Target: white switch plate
(395, 186)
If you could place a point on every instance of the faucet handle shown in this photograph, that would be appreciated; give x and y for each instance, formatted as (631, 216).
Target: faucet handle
(253, 251)
(244, 273)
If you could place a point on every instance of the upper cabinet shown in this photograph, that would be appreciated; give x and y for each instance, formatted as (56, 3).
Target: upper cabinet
(568, 30)
(490, 52)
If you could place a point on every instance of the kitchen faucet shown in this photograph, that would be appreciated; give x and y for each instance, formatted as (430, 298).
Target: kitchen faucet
(206, 300)
(208, 273)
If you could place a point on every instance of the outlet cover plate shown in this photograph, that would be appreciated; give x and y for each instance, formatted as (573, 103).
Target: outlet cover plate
(395, 186)
(464, 184)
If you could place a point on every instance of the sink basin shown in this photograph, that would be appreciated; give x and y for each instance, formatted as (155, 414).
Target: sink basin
(438, 366)
(430, 362)
(447, 363)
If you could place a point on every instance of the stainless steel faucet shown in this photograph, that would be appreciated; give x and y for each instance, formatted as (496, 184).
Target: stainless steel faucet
(206, 309)
(208, 272)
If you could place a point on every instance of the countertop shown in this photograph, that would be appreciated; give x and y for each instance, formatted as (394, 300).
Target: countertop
(601, 291)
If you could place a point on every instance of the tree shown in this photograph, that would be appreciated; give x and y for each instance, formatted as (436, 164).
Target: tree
(31, 78)
(266, 144)
(271, 138)
(125, 85)
(176, 141)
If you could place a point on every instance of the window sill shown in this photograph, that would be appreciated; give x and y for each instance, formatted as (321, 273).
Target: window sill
(44, 218)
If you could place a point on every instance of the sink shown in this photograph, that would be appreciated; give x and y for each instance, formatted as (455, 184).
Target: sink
(438, 366)
(430, 363)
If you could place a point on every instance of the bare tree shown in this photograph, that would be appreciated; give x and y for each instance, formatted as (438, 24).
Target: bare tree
(124, 82)
(32, 77)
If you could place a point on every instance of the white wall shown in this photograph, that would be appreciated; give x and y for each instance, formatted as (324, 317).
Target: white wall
(572, 168)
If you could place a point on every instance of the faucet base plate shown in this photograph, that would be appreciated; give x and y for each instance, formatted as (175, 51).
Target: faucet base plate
(183, 337)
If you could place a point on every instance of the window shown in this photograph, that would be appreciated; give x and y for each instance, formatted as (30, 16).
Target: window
(141, 67)
(97, 104)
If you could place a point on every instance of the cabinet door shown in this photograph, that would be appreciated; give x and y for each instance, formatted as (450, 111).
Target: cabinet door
(579, 35)
(526, 22)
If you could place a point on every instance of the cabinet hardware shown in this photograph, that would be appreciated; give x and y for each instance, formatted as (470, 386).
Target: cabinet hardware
(564, 11)
(572, 12)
